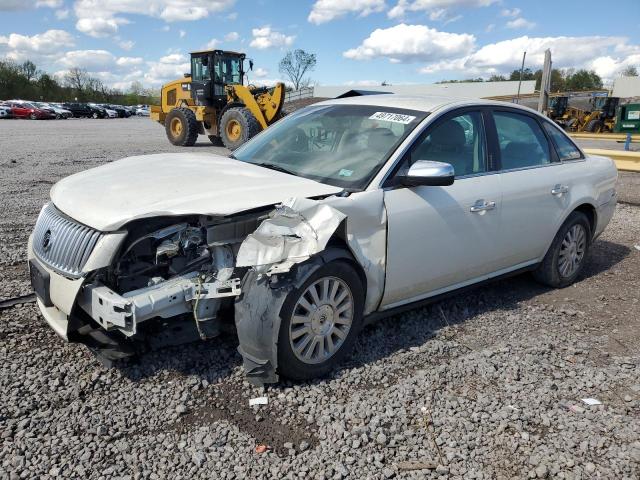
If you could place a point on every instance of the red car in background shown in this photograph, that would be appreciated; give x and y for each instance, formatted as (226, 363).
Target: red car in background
(27, 110)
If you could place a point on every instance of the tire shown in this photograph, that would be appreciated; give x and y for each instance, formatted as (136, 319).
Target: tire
(594, 126)
(181, 127)
(216, 140)
(33, 116)
(291, 351)
(237, 125)
(552, 270)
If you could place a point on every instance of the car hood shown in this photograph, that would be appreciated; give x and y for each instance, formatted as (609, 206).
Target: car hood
(111, 195)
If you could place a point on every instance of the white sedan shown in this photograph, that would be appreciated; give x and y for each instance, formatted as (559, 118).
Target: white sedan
(338, 214)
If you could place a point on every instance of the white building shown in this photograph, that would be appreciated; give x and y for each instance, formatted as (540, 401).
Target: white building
(461, 89)
(626, 87)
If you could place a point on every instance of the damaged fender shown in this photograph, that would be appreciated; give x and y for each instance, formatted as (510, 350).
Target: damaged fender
(286, 248)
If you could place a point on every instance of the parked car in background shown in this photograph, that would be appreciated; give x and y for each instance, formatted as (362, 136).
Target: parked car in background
(342, 212)
(111, 113)
(142, 111)
(5, 111)
(85, 110)
(122, 112)
(22, 109)
(59, 112)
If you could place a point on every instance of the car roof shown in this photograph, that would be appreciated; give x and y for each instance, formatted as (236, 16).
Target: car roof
(423, 103)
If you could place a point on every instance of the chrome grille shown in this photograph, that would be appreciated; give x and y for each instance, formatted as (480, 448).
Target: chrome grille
(61, 243)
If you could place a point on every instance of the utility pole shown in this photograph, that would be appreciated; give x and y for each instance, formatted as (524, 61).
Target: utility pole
(545, 82)
(524, 55)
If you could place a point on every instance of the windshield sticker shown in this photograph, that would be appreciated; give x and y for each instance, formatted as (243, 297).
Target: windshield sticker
(345, 173)
(392, 117)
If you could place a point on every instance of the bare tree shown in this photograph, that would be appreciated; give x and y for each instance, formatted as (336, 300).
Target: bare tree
(29, 70)
(77, 78)
(295, 65)
(630, 71)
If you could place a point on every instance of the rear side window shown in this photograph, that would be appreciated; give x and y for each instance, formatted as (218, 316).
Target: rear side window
(522, 142)
(564, 147)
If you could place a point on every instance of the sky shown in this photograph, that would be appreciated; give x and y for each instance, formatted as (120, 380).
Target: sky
(357, 42)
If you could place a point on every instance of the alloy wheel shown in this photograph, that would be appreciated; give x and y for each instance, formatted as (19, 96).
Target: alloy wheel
(572, 250)
(321, 320)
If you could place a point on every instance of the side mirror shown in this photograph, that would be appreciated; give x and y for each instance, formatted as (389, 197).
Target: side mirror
(428, 173)
(250, 64)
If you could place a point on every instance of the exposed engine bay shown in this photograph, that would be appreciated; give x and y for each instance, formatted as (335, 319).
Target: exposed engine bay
(185, 269)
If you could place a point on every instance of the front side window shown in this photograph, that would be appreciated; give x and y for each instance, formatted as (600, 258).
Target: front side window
(342, 145)
(564, 147)
(459, 141)
(199, 71)
(522, 142)
(227, 70)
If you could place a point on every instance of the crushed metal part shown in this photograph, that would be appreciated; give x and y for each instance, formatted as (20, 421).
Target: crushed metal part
(12, 302)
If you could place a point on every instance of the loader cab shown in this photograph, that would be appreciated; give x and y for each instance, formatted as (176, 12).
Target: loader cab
(607, 105)
(211, 71)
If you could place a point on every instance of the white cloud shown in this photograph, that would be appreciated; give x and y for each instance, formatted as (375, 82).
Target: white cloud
(212, 44)
(403, 6)
(99, 27)
(520, 23)
(182, 33)
(37, 47)
(168, 68)
(49, 3)
(606, 55)
(514, 12)
(62, 14)
(412, 43)
(326, 10)
(126, 44)
(15, 5)
(101, 17)
(129, 61)
(260, 72)
(231, 37)
(92, 60)
(489, 28)
(266, 37)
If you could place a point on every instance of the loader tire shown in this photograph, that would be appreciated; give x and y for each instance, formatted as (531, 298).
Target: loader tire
(216, 140)
(181, 127)
(237, 125)
(595, 126)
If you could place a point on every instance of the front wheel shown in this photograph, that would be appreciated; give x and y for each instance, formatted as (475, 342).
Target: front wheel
(566, 257)
(33, 116)
(320, 321)
(237, 125)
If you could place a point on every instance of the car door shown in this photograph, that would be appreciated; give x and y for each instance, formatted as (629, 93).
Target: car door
(19, 110)
(535, 186)
(442, 237)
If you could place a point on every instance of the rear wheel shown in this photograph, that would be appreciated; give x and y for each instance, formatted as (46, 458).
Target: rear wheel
(320, 321)
(181, 127)
(33, 116)
(237, 125)
(566, 257)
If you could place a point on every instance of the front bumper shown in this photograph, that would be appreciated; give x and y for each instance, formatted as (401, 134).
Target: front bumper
(63, 292)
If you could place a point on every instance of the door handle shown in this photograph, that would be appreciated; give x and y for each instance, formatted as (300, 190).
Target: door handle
(482, 206)
(559, 189)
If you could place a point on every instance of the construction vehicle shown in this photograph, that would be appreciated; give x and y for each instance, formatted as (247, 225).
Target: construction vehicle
(212, 100)
(557, 107)
(628, 118)
(601, 117)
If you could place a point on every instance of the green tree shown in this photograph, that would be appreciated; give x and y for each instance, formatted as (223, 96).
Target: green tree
(29, 70)
(583, 80)
(295, 65)
(527, 74)
(497, 78)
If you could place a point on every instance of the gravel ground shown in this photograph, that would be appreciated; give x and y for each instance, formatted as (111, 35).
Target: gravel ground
(484, 385)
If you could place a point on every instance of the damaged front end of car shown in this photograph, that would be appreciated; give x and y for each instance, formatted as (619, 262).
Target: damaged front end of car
(172, 280)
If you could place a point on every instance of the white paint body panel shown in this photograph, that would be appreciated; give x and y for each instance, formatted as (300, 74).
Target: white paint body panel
(111, 195)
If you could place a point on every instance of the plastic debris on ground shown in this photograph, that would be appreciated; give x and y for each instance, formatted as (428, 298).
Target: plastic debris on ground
(591, 401)
(258, 401)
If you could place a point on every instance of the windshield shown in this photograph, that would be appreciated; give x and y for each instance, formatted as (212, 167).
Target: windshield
(341, 145)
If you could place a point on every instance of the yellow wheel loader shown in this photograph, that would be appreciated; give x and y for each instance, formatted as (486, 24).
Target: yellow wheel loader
(212, 100)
